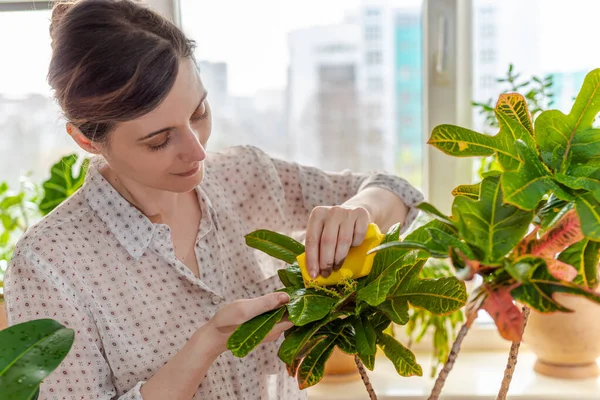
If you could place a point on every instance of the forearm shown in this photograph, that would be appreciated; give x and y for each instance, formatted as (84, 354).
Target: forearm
(384, 206)
(180, 377)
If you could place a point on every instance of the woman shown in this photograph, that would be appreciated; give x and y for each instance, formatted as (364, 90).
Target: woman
(147, 262)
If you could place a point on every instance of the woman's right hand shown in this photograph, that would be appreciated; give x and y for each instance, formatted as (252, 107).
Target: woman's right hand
(232, 315)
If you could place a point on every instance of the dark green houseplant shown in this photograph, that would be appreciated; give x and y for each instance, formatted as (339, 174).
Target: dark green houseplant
(30, 351)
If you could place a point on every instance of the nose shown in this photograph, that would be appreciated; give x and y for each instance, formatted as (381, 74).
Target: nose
(193, 150)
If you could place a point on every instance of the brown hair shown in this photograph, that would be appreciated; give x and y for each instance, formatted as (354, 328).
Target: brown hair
(112, 61)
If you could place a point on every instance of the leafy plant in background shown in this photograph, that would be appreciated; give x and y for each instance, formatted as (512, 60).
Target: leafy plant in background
(530, 229)
(352, 315)
(538, 95)
(443, 328)
(20, 208)
(536, 90)
(17, 210)
(32, 350)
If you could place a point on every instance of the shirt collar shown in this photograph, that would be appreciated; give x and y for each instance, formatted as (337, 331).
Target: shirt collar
(132, 228)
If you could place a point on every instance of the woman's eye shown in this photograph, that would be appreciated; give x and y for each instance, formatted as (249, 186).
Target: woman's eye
(160, 146)
(200, 113)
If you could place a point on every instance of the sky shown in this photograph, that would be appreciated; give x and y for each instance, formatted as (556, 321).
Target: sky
(251, 36)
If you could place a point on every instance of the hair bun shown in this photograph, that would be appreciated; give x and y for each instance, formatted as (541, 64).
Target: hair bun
(59, 10)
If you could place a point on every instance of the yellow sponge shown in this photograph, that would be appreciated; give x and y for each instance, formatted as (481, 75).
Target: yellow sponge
(356, 265)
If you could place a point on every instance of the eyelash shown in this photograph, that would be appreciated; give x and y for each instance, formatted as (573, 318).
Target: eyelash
(162, 145)
(203, 116)
(168, 139)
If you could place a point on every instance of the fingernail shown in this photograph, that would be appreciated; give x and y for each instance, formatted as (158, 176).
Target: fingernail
(283, 297)
(313, 274)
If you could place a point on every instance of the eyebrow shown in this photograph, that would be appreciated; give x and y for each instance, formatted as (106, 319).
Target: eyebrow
(158, 132)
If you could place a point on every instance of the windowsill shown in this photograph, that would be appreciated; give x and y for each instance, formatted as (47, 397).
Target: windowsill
(476, 376)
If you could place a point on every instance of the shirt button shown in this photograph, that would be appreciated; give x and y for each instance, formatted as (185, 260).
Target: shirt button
(216, 299)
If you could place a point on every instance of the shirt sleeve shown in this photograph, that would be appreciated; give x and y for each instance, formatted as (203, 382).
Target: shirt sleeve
(297, 189)
(32, 291)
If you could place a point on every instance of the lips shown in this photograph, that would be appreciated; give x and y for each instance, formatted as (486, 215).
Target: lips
(191, 172)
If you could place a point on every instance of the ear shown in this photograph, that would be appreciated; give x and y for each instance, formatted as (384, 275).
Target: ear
(82, 141)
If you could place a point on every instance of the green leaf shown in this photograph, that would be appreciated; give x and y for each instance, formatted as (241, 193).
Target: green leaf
(471, 191)
(461, 142)
(488, 224)
(396, 310)
(557, 133)
(366, 338)
(421, 235)
(291, 276)
(439, 296)
(522, 268)
(346, 341)
(251, 333)
(514, 106)
(583, 255)
(435, 213)
(380, 322)
(309, 305)
(11, 201)
(582, 178)
(381, 261)
(403, 359)
(538, 293)
(448, 241)
(63, 182)
(313, 366)
(375, 292)
(552, 212)
(526, 187)
(30, 351)
(513, 119)
(408, 246)
(275, 244)
(588, 210)
(293, 343)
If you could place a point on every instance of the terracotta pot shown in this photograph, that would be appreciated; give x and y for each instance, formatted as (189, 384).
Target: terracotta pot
(3, 321)
(341, 366)
(566, 344)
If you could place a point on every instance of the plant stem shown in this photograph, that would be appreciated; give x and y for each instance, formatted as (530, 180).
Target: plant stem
(441, 379)
(512, 361)
(365, 378)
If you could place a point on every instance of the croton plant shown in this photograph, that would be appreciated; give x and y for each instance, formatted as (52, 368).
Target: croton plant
(529, 229)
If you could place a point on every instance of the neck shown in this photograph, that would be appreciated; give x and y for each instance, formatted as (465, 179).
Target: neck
(159, 206)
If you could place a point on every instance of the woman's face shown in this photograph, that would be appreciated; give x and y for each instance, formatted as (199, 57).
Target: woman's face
(165, 148)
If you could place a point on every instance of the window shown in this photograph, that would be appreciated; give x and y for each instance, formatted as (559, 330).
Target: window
(310, 85)
(32, 132)
(372, 12)
(373, 32)
(487, 56)
(374, 58)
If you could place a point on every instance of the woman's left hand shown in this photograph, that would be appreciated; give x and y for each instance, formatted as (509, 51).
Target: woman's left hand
(330, 233)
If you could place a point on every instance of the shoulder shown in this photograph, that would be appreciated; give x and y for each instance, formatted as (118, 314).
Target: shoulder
(70, 216)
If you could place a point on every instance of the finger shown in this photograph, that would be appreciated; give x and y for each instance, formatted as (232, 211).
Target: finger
(313, 237)
(360, 229)
(327, 246)
(252, 307)
(344, 241)
(277, 330)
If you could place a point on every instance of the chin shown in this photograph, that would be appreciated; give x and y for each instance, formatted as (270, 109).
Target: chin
(183, 185)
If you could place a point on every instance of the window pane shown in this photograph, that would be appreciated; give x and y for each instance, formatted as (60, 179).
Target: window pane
(32, 134)
(333, 84)
(538, 40)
